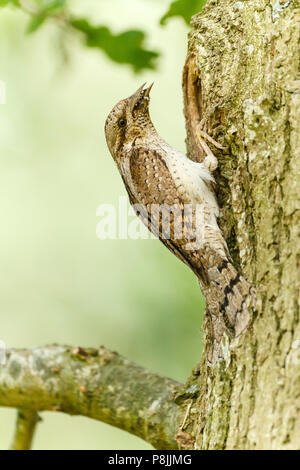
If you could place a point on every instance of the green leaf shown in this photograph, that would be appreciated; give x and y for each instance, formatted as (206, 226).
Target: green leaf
(123, 48)
(47, 8)
(34, 23)
(183, 8)
(54, 5)
(3, 3)
(48, 5)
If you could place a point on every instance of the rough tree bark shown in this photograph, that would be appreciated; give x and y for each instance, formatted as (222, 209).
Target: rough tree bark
(96, 383)
(242, 76)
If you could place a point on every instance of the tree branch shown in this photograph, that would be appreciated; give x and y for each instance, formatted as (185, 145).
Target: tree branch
(25, 427)
(96, 383)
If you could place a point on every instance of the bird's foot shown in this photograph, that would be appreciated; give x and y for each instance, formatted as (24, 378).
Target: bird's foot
(210, 160)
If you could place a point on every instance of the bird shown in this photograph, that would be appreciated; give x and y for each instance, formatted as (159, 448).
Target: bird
(175, 198)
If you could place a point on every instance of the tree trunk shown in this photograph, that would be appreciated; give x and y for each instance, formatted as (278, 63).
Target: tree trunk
(242, 76)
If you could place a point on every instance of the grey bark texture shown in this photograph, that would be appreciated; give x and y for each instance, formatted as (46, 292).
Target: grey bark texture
(96, 383)
(244, 60)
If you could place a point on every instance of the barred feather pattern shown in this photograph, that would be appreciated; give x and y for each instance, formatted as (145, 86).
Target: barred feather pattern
(154, 173)
(228, 295)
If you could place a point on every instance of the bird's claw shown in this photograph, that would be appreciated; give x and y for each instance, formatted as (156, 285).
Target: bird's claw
(210, 160)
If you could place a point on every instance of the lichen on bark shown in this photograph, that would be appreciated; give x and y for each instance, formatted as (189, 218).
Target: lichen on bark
(92, 382)
(247, 58)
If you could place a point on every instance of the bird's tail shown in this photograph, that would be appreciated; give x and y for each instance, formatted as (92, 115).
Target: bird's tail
(236, 300)
(229, 298)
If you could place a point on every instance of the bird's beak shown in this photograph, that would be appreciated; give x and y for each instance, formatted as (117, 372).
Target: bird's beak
(141, 98)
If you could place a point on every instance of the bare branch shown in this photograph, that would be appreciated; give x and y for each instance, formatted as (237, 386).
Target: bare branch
(25, 427)
(96, 383)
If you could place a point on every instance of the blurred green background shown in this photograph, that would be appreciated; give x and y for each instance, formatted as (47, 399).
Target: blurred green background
(60, 283)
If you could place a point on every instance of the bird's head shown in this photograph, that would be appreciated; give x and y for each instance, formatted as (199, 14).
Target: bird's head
(128, 120)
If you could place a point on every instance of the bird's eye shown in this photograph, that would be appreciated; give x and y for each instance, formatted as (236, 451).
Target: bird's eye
(122, 122)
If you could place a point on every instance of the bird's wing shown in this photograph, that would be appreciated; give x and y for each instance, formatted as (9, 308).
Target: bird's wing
(152, 184)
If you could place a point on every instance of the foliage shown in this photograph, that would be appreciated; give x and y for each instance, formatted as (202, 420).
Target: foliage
(46, 9)
(127, 47)
(3, 3)
(183, 8)
(123, 48)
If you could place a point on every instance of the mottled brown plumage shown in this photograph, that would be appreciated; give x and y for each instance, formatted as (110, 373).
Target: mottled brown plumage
(158, 177)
